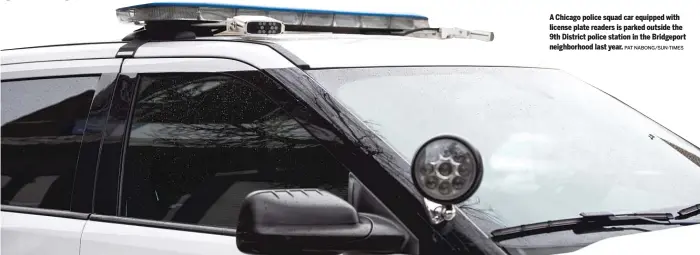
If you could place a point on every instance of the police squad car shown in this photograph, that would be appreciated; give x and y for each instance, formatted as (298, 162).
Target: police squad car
(229, 129)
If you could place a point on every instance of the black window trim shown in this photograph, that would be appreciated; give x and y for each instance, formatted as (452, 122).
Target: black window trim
(163, 225)
(45, 212)
(125, 145)
(119, 220)
(66, 76)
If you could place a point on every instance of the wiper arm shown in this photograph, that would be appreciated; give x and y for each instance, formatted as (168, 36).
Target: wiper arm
(688, 212)
(588, 222)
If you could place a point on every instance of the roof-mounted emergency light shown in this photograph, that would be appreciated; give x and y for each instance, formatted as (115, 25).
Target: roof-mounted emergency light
(202, 19)
(300, 18)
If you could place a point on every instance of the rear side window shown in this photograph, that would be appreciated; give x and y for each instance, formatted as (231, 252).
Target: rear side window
(42, 126)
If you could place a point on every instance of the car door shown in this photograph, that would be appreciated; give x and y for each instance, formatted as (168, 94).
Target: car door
(50, 120)
(196, 136)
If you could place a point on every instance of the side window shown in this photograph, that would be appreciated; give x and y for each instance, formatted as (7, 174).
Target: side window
(200, 142)
(42, 126)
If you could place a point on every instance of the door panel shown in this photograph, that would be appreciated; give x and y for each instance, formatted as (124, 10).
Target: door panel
(113, 238)
(30, 234)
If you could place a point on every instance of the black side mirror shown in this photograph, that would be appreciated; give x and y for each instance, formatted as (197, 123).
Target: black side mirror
(312, 221)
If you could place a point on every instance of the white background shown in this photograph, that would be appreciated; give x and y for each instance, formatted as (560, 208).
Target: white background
(661, 84)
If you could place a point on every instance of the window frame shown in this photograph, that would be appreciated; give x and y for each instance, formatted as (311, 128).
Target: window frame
(105, 70)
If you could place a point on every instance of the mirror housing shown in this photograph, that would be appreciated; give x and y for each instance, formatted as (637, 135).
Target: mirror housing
(311, 220)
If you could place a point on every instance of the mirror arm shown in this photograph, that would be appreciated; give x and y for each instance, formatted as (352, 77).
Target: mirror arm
(386, 236)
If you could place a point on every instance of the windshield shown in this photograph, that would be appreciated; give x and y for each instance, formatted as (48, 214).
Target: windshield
(552, 145)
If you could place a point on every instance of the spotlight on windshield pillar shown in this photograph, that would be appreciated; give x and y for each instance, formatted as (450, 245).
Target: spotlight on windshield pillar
(447, 170)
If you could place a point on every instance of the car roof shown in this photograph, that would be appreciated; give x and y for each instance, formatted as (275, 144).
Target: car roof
(319, 50)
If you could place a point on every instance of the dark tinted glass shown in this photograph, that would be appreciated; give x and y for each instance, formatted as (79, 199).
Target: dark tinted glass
(200, 143)
(42, 126)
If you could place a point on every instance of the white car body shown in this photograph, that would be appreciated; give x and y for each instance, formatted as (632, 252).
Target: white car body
(680, 240)
(67, 233)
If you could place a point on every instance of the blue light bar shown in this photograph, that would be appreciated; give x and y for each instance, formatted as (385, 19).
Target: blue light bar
(216, 12)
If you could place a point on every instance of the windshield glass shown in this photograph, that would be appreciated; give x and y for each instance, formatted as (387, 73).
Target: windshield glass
(552, 145)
